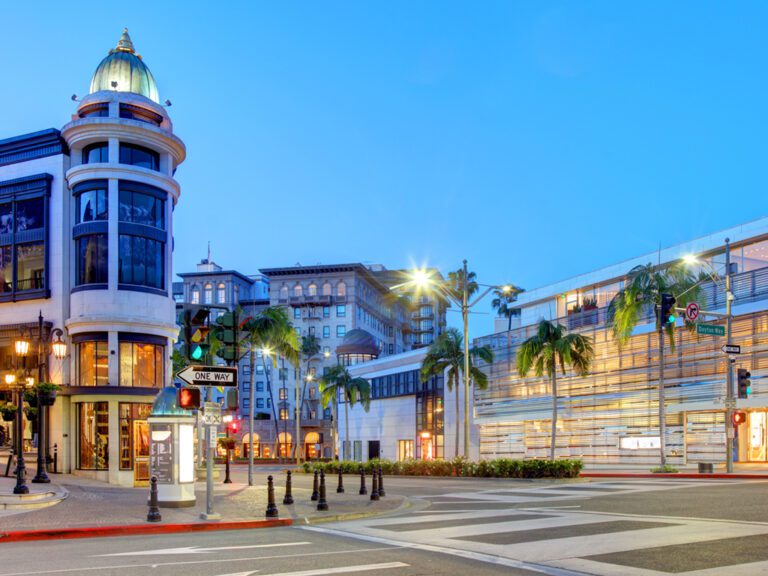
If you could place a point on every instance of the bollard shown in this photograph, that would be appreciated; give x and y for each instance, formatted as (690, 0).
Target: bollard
(271, 508)
(374, 485)
(363, 490)
(340, 487)
(153, 514)
(314, 488)
(55, 458)
(381, 484)
(288, 498)
(322, 503)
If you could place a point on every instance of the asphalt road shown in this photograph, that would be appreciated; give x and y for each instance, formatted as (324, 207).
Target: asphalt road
(463, 526)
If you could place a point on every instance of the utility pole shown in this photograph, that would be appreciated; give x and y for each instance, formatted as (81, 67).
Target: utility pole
(729, 400)
(465, 318)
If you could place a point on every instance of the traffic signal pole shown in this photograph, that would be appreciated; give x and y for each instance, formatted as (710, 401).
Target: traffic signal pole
(729, 400)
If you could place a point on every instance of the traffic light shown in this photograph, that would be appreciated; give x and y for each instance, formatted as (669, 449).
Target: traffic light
(234, 426)
(739, 418)
(231, 399)
(189, 398)
(232, 337)
(667, 312)
(745, 385)
(199, 343)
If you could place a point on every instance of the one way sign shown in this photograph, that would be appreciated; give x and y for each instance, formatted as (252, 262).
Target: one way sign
(209, 375)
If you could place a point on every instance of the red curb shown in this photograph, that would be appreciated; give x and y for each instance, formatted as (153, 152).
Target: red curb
(685, 475)
(136, 529)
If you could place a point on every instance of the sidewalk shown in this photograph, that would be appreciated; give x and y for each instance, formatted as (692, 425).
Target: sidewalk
(741, 471)
(92, 504)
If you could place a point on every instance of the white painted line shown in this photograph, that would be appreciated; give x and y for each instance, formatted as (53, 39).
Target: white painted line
(343, 569)
(488, 558)
(196, 550)
(133, 567)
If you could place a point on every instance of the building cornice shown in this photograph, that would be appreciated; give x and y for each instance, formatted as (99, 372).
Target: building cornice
(32, 146)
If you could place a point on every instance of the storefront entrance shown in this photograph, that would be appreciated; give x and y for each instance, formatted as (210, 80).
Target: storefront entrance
(752, 436)
(140, 452)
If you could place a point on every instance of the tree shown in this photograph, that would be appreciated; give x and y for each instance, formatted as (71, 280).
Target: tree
(336, 382)
(641, 296)
(544, 351)
(455, 287)
(447, 353)
(271, 332)
(310, 347)
(503, 302)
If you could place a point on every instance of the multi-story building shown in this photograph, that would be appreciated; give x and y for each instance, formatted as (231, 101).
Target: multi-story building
(611, 416)
(86, 225)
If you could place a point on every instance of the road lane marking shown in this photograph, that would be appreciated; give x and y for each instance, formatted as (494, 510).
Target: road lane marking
(197, 550)
(192, 562)
(342, 569)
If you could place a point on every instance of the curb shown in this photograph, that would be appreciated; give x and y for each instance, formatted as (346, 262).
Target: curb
(136, 529)
(406, 503)
(684, 475)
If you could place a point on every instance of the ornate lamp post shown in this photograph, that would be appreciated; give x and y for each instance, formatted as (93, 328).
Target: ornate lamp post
(59, 349)
(21, 347)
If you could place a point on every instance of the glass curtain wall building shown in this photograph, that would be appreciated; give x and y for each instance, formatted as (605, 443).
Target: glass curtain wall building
(611, 416)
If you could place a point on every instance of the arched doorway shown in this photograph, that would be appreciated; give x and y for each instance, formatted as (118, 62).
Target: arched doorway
(312, 445)
(284, 444)
(255, 445)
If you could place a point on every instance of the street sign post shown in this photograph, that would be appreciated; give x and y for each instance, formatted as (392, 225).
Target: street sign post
(732, 349)
(710, 329)
(211, 414)
(692, 311)
(209, 375)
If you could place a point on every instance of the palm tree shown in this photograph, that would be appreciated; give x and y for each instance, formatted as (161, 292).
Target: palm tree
(456, 284)
(338, 381)
(271, 332)
(503, 302)
(544, 351)
(641, 294)
(310, 347)
(447, 353)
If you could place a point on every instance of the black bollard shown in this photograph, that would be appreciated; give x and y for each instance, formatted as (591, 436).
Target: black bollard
(322, 503)
(381, 484)
(271, 508)
(374, 485)
(363, 490)
(153, 514)
(314, 488)
(340, 487)
(288, 498)
(55, 458)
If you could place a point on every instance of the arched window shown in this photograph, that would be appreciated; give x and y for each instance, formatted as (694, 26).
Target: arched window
(194, 295)
(208, 294)
(312, 289)
(284, 444)
(298, 291)
(341, 289)
(221, 293)
(327, 289)
(283, 292)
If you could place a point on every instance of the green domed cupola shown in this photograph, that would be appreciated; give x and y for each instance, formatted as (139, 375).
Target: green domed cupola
(124, 71)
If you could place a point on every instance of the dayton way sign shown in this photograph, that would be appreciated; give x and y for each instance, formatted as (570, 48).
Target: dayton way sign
(209, 375)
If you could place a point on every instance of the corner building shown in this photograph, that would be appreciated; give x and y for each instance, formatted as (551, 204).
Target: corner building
(88, 213)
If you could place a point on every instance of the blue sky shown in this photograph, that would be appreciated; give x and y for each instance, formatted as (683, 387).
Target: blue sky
(537, 139)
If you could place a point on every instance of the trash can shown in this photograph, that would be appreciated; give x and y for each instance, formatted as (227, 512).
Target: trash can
(706, 468)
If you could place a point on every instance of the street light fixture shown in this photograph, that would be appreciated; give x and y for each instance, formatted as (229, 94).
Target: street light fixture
(21, 346)
(425, 279)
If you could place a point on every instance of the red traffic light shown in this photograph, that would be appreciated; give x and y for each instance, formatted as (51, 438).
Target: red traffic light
(739, 418)
(234, 426)
(189, 398)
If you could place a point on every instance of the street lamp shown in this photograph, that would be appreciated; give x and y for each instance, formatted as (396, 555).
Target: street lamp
(426, 280)
(21, 347)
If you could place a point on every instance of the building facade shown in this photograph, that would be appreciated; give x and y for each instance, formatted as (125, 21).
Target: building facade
(87, 233)
(611, 416)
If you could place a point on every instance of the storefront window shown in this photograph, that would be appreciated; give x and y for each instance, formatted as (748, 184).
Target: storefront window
(93, 436)
(92, 363)
(141, 364)
(134, 433)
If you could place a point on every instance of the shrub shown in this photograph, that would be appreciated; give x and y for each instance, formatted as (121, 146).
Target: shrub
(666, 469)
(497, 468)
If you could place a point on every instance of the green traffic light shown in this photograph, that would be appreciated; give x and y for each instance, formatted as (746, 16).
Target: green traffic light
(672, 319)
(197, 353)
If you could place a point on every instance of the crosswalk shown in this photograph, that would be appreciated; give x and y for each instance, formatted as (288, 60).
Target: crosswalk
(528, 528)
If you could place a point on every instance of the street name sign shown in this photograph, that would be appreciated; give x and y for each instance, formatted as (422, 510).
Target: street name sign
(692, 311)
(710, 329)
(209, 375)
(211, 414)
(732, 349)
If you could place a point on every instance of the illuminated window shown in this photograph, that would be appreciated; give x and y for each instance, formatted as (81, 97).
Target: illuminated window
(93, 362)
(93, 436)
(142, 364)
